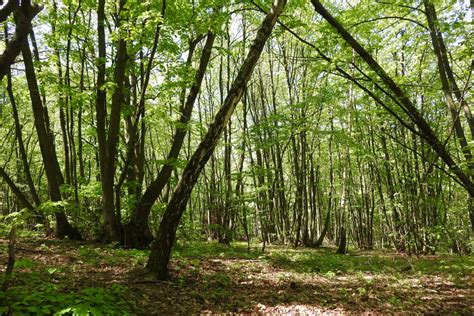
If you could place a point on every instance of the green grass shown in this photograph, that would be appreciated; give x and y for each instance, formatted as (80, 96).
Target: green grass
(214, 250)
(326, 261)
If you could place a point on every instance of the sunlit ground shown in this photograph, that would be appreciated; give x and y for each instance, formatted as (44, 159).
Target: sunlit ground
(210, 278)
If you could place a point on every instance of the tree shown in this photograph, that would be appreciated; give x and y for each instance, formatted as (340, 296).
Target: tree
(48, 152)
(161, 246)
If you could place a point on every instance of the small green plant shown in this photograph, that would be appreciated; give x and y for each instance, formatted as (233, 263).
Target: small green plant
(24, 263)
(48, 299)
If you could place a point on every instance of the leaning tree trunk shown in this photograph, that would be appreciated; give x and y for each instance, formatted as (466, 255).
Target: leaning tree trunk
(23, 16)
(19, 195)
(21, 144)
(402, 99)
(18, 132)
(161, 246)
(451, 91)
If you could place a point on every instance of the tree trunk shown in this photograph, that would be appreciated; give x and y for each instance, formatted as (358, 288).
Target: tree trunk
(20, 196)
(108, 141)
(342, 249)
(21, 144)
(112, 225)
(7, 9)
(451, 90)
(48, 152)
(320, 240)
(161, 246)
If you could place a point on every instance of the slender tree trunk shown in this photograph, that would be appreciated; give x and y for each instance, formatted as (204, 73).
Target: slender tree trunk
(327, 220)
(19, 137)
(402, 99)
(451, 91)
(80, 156)
(101, 96)
(48, 152)
(112, 225)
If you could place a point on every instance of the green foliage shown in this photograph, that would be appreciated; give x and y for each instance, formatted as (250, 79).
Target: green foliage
(47, 299)
(49, 207)
(14, 219)
(303, 132)
(129, 255)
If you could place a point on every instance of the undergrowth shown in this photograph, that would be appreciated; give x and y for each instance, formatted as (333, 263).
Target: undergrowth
(71, 278)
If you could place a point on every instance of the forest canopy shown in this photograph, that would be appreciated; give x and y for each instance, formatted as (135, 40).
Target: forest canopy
(310, 123)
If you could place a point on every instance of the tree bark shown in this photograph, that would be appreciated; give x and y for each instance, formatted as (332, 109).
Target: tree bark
(101, 96)
(19, 137)
(11, 259)
(451, 91)
(342, 248)
(7, 9)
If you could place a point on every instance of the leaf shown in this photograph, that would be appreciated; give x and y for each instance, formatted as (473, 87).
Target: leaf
(52, 270)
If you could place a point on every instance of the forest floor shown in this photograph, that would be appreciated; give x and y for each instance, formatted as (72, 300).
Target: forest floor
(76, 277)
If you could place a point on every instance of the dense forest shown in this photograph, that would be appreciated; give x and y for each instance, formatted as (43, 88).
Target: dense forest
(322, 137)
